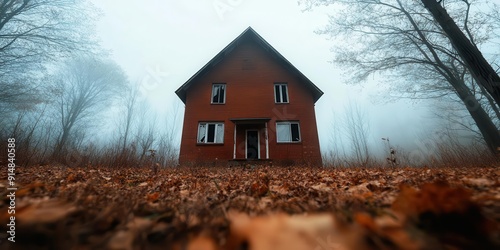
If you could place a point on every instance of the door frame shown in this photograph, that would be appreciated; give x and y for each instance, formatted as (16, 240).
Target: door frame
(258, 142)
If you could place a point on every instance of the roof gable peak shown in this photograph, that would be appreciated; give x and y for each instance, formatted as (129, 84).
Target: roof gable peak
(248, 32)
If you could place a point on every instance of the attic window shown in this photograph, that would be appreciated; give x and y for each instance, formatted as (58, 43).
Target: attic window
(280, 93)
(218, 93)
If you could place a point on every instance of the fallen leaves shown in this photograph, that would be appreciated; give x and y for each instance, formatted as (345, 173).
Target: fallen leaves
(436, 198)
(478, 182)
(153, 197)
(279, 232)
(258, 208)
(258, 189)
(44, 212)
(124, 239)
(448, 214)
(260, 186)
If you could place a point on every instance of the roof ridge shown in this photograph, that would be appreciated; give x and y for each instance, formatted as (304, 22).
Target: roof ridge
(181, 91)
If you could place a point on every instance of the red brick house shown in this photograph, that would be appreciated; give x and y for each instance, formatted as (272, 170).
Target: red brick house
(249, 103)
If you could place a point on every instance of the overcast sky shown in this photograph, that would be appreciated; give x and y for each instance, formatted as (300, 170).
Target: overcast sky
(162, 43)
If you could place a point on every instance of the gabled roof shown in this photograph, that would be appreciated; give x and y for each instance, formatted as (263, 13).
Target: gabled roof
(249, 33)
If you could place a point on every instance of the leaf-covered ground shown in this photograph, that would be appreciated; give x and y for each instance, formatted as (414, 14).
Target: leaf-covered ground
(255, 208)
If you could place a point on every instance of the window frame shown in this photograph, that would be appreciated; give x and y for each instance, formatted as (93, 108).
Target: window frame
(289, 123)
(206, 133)
(212, 93)
(281, 85)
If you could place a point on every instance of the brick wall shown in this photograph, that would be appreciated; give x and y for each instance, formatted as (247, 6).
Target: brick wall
(249, 73)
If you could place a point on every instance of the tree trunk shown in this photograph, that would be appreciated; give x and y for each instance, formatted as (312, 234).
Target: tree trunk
(480, 69)
(483, 121)
(58, 151)
(492, 103)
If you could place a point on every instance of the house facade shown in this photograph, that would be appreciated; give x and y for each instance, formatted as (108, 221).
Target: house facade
(249, 103)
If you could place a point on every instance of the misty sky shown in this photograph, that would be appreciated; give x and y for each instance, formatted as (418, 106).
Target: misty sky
(162, 43)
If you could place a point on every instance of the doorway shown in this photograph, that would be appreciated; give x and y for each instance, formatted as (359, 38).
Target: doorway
(252, 148)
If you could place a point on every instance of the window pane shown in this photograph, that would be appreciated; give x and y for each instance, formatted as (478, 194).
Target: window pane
(218, 91)
(295, 132)
(283, 132)
(215, 94)
(211, 133)
(219, 138)
(277, 93)
(222, 89)
(284, 93)
(201, 132)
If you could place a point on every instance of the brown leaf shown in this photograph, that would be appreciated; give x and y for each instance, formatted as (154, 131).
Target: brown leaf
(281, 232)
(479, 182)
(45, 212)
(153, 197)
(321, 187)
(437, 198)
(365, 221)
(447, 213)
(361, 191)
(259, 189)
(124, 239)
(201, 243)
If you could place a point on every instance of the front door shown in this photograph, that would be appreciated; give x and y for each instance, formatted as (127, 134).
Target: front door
(252, 145)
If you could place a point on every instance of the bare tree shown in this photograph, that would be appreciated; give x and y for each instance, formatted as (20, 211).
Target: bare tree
(451, 113)
(16, 96)
(349, 138)
(336, 154)
(147, 130)
(87, 86)
(473, 59)
(402, 40)
(130, 111)
(357, 129)
(33, 33)
(122, 148)
(168, 148)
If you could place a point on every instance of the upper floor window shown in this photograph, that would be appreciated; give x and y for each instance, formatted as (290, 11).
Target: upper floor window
(210, 132)
(288, 131)
(219, 93)
(281, 93)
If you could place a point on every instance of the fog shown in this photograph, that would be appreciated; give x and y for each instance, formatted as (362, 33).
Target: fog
(161, 44)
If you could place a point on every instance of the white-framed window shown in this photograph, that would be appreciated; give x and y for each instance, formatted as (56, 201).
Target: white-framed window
(210, 132)
(281, 93)
(219, 93)
(288, 131)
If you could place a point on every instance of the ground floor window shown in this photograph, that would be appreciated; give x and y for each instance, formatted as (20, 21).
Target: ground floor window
(288, 131)
(210, 132)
